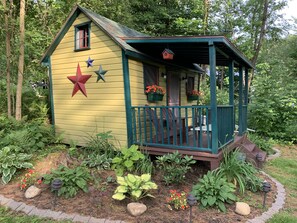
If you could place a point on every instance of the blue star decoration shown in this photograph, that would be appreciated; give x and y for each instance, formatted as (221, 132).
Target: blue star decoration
(100, 74)
(89, 62)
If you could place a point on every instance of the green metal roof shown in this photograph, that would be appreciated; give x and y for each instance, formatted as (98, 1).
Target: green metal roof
(187, 49)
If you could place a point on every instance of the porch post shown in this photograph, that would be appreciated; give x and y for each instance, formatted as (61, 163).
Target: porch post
(246, 79)
(240, 131)
(231, 91)
(127, 93)
(213, 97)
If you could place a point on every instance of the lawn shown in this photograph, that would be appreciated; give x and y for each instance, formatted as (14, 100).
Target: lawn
(284, 169)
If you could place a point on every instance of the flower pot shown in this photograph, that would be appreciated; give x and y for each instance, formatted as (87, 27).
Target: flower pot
(154, 97)
(192, 97)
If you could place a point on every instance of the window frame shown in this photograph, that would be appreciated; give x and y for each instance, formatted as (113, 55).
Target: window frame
(156, 73)
(83, 27)
(189, 88)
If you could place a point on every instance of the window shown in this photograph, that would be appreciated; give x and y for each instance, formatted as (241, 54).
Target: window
(151, 75)
(190, 84)
(82, 36)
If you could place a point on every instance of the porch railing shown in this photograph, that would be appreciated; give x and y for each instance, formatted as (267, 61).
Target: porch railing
(180, 127)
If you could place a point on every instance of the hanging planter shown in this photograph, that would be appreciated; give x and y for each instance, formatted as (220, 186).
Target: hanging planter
(155, 93)
(192, 97)
(155, 97)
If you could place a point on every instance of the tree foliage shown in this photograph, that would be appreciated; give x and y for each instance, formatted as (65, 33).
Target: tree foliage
(273, 111)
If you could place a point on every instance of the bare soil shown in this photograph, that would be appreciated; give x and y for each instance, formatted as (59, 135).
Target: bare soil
(98, 201)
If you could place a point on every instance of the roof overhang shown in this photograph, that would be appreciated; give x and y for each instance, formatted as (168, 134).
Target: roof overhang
(189, 50)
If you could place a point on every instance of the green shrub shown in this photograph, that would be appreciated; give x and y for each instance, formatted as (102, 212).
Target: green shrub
(145, 166)
(10, 161)
(237, 171)
(126, 160)
(214, 191)
(73, 180)
(101, 144)
(133, 186)
(174, 167)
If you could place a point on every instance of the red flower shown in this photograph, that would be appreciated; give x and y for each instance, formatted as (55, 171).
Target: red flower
(39, 181)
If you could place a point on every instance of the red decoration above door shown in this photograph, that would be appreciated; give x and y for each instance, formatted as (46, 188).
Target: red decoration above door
(79, 81)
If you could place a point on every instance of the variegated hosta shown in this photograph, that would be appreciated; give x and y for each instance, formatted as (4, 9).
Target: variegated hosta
(133, 186)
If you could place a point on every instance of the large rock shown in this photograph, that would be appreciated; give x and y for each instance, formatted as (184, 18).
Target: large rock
(32, 191)
(136, 209)
(242, 208)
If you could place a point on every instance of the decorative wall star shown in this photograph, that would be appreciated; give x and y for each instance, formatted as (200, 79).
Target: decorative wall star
(100, 74)
(89, 62)
(79, 81)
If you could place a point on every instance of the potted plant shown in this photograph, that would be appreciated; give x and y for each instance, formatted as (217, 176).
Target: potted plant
(155, 93)
(193, 95)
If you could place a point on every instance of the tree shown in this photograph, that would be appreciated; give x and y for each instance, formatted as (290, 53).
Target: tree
(18, 110)
(7, 15)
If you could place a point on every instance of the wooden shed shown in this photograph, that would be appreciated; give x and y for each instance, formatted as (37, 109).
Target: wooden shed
(99, 72)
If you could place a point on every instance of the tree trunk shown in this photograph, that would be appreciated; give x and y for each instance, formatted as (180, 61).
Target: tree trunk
(205, 19)
(258, 44)
(18, 110)
(8, 54)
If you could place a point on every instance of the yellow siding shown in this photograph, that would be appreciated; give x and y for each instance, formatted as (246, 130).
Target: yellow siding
(78, 118)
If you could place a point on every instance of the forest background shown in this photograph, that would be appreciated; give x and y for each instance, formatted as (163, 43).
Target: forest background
(257, 27)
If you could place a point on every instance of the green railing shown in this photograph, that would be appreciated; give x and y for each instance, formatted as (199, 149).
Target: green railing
(179, 127)
(225, 125)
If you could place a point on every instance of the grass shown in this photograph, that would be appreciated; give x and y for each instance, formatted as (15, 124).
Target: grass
(8, 216)
(284, 169)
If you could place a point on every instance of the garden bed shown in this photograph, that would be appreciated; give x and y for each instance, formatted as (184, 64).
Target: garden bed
(98, 201)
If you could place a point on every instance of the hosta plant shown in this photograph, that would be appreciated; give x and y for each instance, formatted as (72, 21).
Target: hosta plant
(11, 161)
(126, 160)
(134, 187)
(73, 180)
(214, 191)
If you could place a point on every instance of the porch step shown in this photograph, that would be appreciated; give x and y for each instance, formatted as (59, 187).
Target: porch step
(254, 155)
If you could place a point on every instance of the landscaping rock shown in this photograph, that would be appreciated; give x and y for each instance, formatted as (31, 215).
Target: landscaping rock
(32, 191)
(242, 208)
(136, 209)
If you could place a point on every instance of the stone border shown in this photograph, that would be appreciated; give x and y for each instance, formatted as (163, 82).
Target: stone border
(47, 213)
(280, 197)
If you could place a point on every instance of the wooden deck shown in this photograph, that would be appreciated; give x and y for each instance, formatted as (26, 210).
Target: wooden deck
(213, 159)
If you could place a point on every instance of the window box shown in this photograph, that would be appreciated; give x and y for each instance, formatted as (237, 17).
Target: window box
(155, 97)
(192, 97)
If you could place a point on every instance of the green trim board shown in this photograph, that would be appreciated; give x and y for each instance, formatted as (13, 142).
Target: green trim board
(51, 90)
(240, 130)
(127, 93)
(213, 98)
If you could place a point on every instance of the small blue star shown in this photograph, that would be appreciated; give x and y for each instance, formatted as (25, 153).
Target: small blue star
(100, 74)
(89, 62)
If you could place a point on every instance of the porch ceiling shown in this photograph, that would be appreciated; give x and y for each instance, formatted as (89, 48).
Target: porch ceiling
(189, 50)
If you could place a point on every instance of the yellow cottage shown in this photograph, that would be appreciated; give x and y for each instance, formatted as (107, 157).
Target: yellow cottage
(107, 77)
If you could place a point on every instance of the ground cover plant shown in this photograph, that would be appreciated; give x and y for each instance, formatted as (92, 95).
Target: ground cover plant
(89, 184)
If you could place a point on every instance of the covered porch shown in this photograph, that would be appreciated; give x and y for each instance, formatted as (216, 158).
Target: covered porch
(199, 130)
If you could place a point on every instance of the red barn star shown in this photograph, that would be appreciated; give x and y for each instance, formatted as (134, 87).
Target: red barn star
(79, 81)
